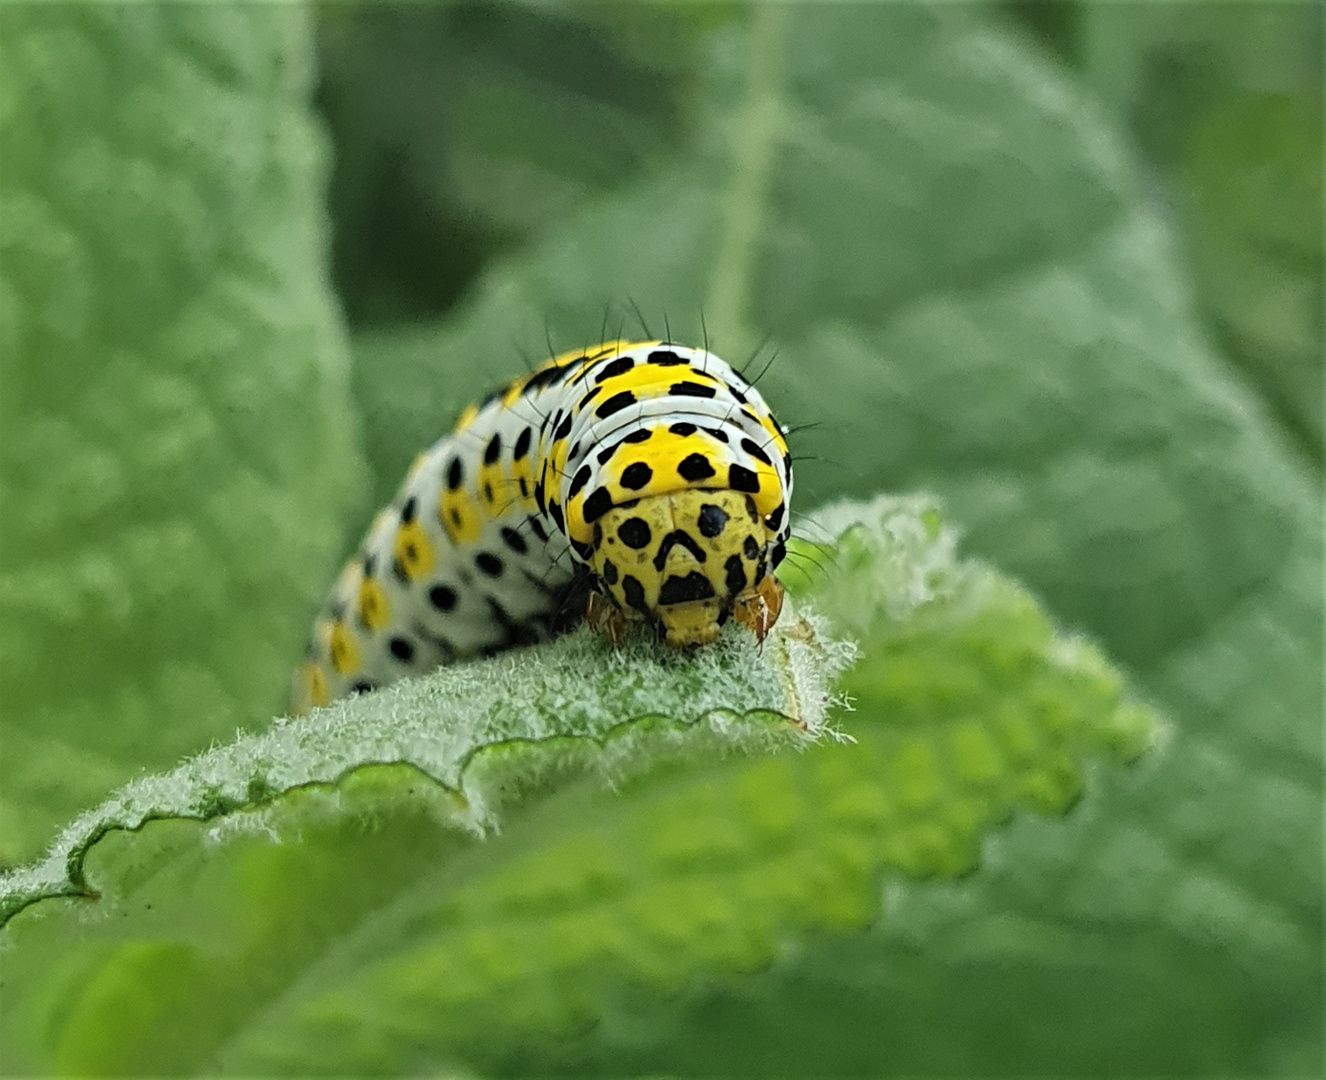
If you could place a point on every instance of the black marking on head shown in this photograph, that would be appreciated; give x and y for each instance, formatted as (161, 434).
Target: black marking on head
(639, 436)
(734, 575)
(682, 428)
(584, 401)
(524, 488)
(775, 517)
(635, 533)
(777, 555)
(455, 517)
(740, 478)
(736, 393)
(750, 548)
(488, 564)
(402, 649)
(751, 512)
(712, 520)
(686, 388)
(522, 443)
(370, 564)
(634, 593)
(754, 451)
(620, 366)
(615, 404)
(536, 527)
(409, 509)
(696, 467)
(666, 358)
(538, 496)
(487, 491)
(685, 539)
(610, 572)
(679, 590)
(556, 512)
(563, 429)
(598, 504)
(636, 476)
(455, 474)
(597, 537)
(514, 540)
(579, 481)
(442, 597)
(607, 453)
(493, 450)
(574, 452)
(717, 433)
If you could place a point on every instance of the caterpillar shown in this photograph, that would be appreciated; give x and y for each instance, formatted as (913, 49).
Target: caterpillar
(633, 482)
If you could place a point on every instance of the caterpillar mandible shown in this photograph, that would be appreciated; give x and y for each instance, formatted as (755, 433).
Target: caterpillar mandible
(630, 482)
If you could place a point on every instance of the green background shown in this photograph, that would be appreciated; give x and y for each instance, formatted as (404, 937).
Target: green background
(1059, 264)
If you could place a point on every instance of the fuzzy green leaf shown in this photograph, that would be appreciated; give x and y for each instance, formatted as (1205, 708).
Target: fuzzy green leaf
(1227, 100)
(176, 443)
(477, 729)
(352, 928)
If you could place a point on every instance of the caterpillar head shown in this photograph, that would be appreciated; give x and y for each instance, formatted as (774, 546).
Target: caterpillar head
(689, 560)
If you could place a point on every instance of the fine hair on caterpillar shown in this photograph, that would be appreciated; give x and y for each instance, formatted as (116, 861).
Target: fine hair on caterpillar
(626, 482)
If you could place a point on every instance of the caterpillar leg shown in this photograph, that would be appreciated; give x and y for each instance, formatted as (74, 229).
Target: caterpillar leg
(607, 618)
(759, 608)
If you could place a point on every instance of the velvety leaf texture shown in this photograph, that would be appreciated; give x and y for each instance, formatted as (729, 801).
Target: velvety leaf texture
(353, 928)
(969, 290)
(177, 445)
(553, 707)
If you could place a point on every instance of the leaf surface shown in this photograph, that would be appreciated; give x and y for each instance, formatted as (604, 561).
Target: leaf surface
(177, 446)
(352, 927)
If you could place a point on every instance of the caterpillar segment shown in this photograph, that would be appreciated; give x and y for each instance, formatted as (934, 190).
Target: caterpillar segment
(634, 482)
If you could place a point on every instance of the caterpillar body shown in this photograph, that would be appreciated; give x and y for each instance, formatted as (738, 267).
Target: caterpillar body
(630, 482)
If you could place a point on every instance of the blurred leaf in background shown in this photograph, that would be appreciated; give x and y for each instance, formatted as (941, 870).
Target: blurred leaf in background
(177, 442)
(1225, 100)
(464, 129)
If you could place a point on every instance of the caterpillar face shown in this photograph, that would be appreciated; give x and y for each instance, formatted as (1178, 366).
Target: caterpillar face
(649, 477)
(687, 560)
